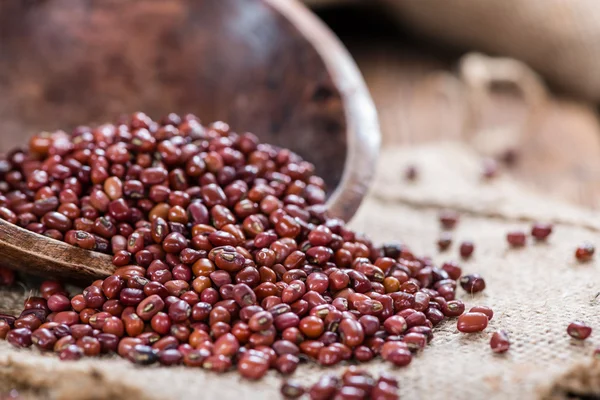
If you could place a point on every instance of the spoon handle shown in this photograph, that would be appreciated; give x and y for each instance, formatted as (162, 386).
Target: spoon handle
(35, 254)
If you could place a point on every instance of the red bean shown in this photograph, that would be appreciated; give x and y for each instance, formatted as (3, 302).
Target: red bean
(224, 254)
(472, 322)
(324, 389)
(253, 367)
(292, 390)
(472, 283)
(351, 332)
(500, 342)
(311, 327)
(540, 231)
(466, 249)
(71, 353)
(483, 309)
(579, 330)
(58, 302)
(452, 269)
(448, 219)
(395, 325)
(516, 238)
(444, 241)
(585, 252)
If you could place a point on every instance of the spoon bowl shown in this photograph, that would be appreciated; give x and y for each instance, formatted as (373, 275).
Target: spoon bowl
(269, 67)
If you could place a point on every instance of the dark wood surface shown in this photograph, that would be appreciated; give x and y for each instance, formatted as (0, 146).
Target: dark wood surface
(269, 67)
(66, 63)
(39, 255)
(417, 90)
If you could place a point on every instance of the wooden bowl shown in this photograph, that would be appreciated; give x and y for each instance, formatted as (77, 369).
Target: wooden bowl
(269, 67)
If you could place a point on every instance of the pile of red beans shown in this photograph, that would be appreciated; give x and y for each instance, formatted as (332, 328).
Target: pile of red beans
(224, 251)
(353, 384)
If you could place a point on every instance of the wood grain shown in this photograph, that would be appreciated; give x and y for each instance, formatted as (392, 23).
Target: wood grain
(39, 255)
(419, 98)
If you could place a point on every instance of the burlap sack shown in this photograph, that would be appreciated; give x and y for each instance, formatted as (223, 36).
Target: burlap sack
(535, 292)
(558, 38)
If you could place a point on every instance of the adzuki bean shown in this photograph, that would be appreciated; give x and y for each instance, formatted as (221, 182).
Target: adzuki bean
(225, 258)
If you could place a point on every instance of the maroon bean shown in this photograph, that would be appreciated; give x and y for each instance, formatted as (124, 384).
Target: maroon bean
(71, 352)
(351, 332)
(434, 315)
(19, 337)
(448, 219)
(516, 238)
(585, 252)
(579, 330)
(473, 283)
(244, 295)
(48, 288)
(395, 325)
(43, 338)
(472, 322)
(170, 357)
(324, 389)
(261, 321)
(108, 342)
(226, 345)
(142, 355)
(218, 363)
(500, 342)
(161, 323)
(540, 231)
(483, 309)
(253, 367)
(66, 317)
(415, 341)
(466, 249)
(58, 302)
(179, 311)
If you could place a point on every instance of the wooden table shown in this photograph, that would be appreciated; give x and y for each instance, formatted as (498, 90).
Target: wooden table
(412, 84)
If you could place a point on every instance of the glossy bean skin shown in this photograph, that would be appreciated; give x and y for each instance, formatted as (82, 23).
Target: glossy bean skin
(472, 322)
(225, 256)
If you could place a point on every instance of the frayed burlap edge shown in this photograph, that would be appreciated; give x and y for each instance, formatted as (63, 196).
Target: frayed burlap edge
(34, 381)
(582, 381)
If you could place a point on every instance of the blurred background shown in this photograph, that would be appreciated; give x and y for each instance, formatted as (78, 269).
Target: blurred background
(517, 80)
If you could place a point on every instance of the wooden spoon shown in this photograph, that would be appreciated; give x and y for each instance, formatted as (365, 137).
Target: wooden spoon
(269, 67)
(40, 255)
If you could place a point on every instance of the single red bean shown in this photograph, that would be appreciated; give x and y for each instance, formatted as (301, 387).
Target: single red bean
(58, 302)
(516, 238)
(472, 283)
(71, 352)
(448, 219)
(351, 332)
(466, 249)
(292, 390)
(324, 389)
(483, 309)
(43, 338)
(579, 330)
(472, 322)
(395, 325)
(585, 252)
(540, 231)
(500, 342)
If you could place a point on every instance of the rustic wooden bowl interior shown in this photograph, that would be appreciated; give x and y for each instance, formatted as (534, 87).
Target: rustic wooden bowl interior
(268, 67)
(265, 66)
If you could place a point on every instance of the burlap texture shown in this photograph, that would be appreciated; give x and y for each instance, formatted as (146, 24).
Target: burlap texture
(535, 292)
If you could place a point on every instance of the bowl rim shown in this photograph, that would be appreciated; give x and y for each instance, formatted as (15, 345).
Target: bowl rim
(363, 134)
